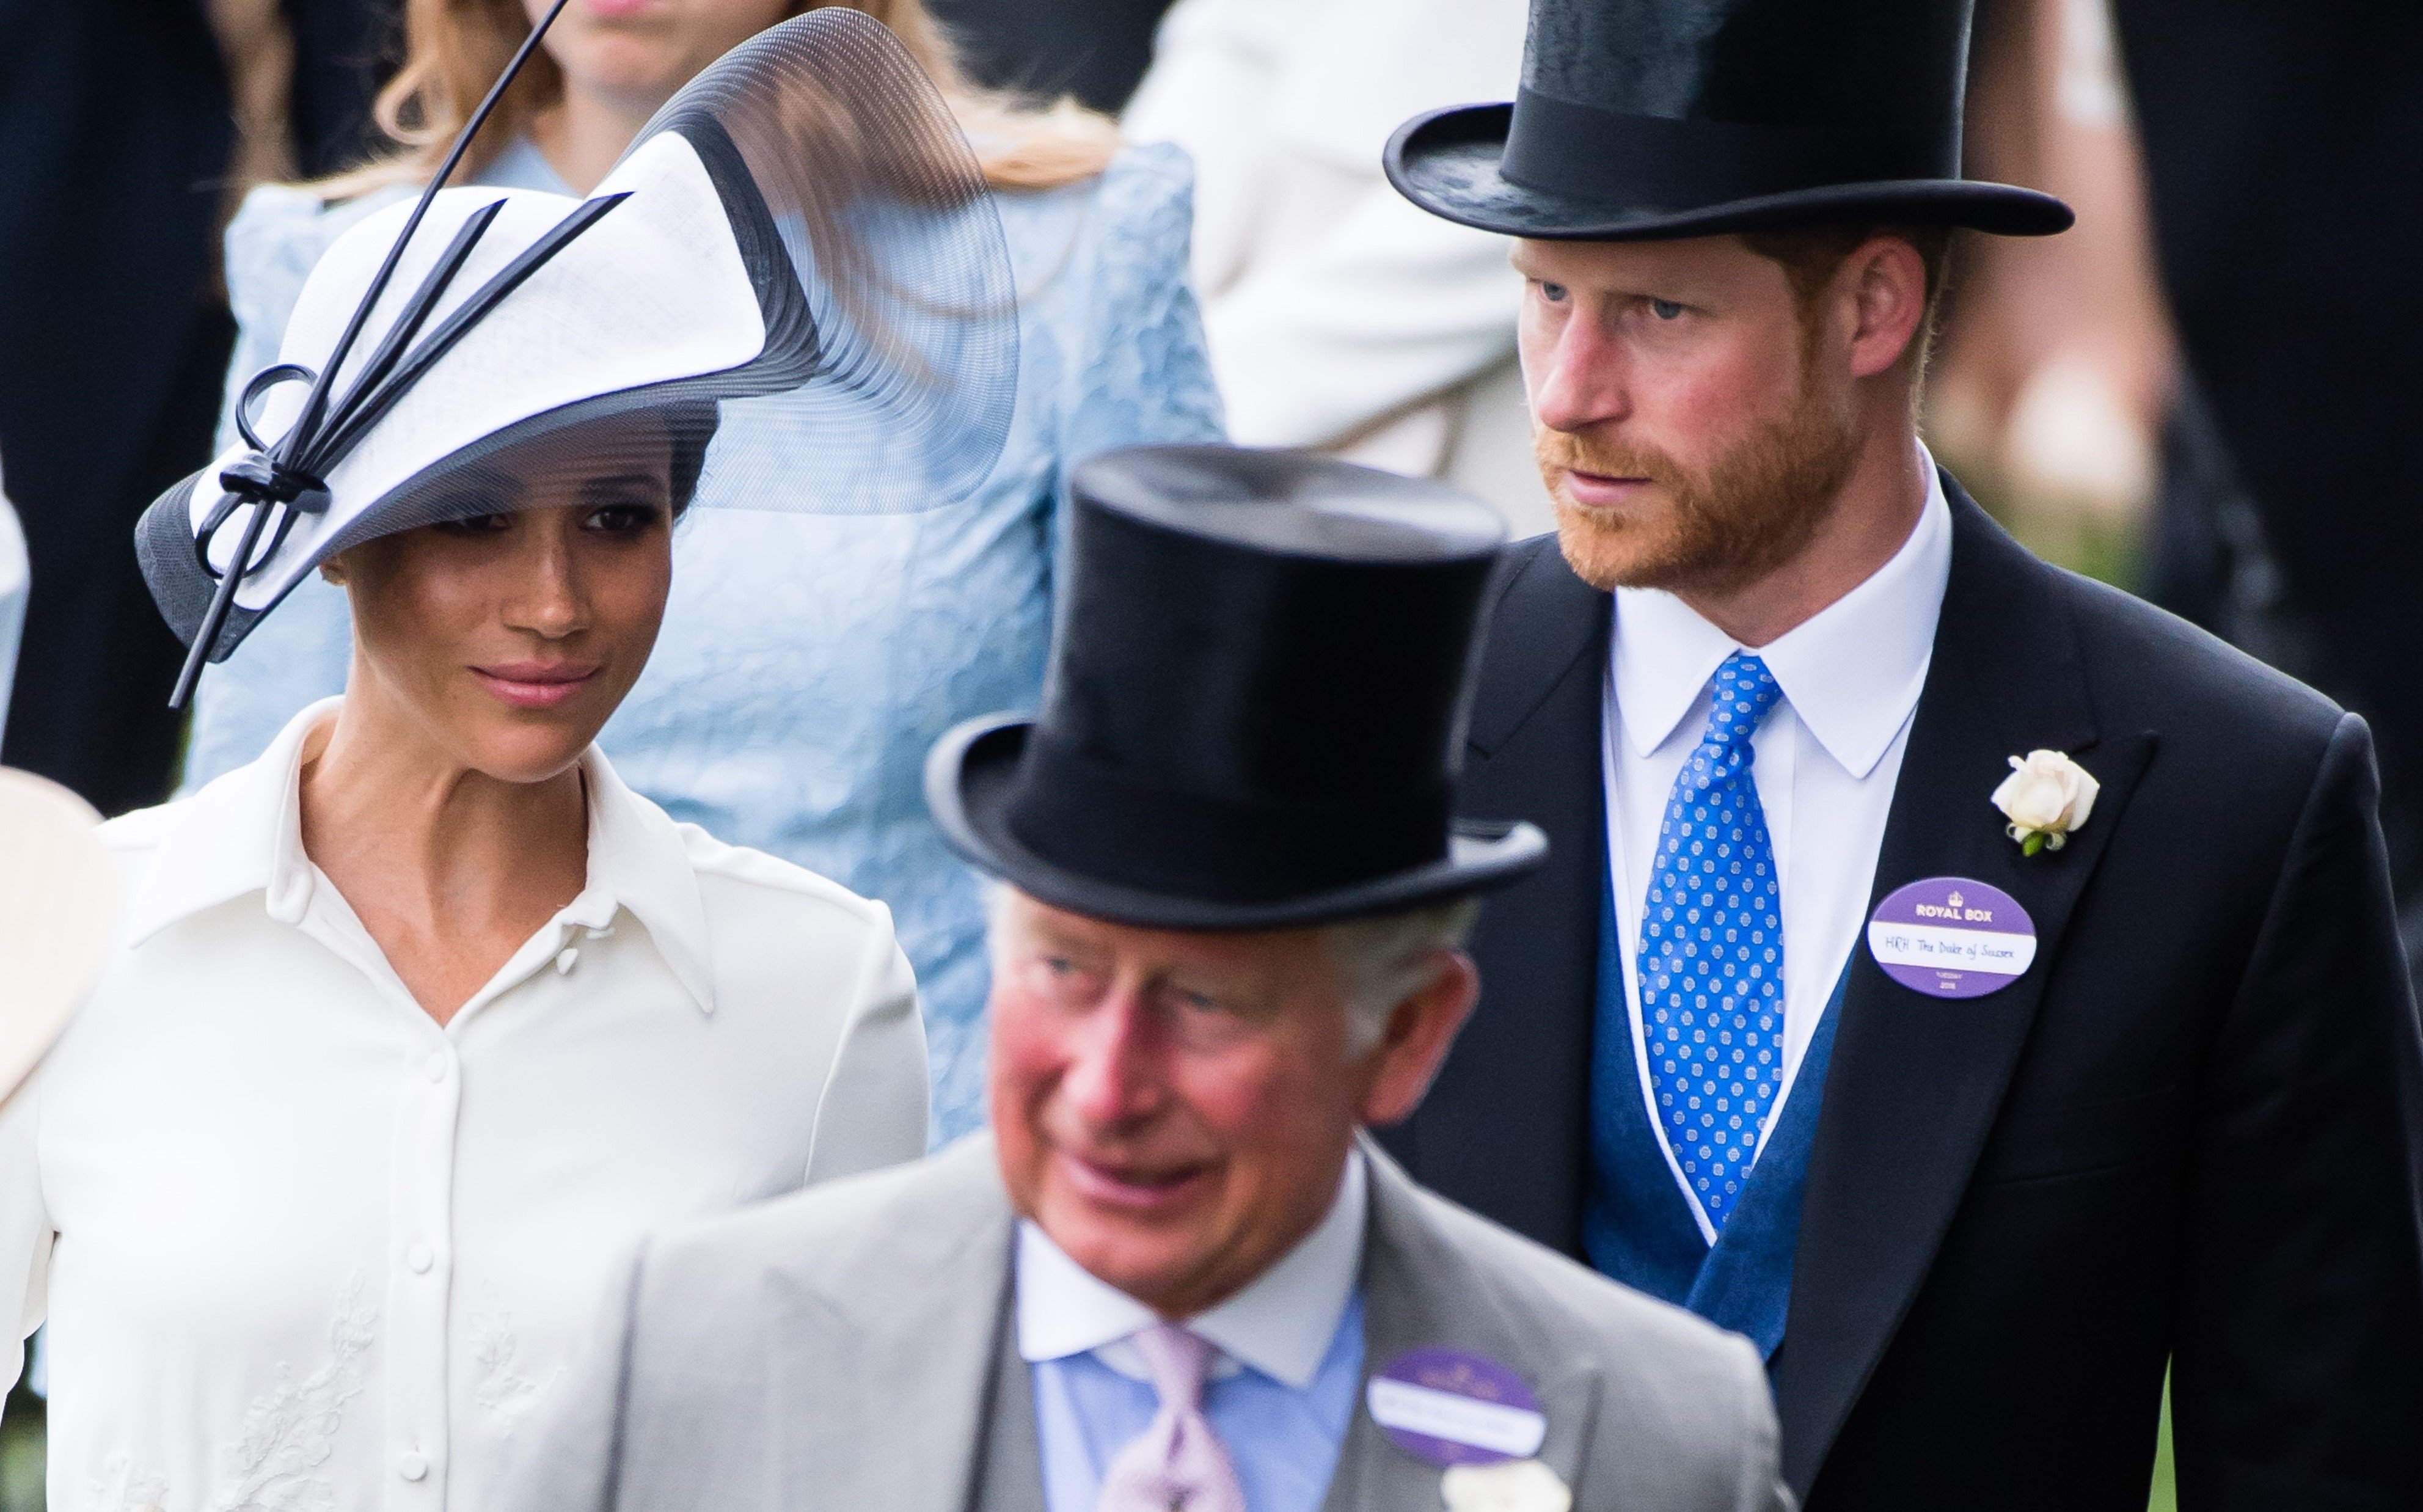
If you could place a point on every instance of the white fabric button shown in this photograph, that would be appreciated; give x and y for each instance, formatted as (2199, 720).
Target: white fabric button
(564, 959)
(412, 1465)
(420, 1258)
(435, 1065)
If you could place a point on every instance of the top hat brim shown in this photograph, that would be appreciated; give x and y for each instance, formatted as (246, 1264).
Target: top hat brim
(969, 780)
(57, 899)
(1451, 163)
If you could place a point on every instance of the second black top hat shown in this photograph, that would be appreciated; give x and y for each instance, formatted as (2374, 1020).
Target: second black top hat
(1256, 704)
(1641, 118)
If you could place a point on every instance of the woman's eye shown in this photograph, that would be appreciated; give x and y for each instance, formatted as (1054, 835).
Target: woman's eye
(477, 524)
(1665, 309)
(621, 519)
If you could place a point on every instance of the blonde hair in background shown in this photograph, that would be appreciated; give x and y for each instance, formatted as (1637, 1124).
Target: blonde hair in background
(454, 48)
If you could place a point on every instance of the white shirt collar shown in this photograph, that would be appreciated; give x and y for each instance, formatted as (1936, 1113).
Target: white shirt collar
(243, 833)
(1281, 1325)
(1852, 672)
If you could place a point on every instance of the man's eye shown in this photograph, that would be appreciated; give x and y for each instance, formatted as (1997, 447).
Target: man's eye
(1553, 292)
(1665, 309)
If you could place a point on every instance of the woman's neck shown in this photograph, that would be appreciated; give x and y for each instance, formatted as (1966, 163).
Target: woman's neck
(582, 134)
(450, 870)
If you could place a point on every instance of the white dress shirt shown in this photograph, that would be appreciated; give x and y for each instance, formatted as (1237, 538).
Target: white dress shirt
(1281, 1325)
(1827, 757)
(302, 1249)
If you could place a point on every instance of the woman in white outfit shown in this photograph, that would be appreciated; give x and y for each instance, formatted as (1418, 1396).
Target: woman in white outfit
(420, 1021)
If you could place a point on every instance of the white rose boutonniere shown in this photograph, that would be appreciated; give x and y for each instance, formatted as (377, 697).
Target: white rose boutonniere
(1508, 1486)
(2045, 797)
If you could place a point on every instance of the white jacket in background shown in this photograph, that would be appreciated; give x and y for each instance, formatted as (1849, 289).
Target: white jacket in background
(1339, 315)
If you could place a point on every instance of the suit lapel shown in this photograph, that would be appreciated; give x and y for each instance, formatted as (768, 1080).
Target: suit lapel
(1533, 754)
(896, 1416)
(1916, 1081)
(1419, 1291)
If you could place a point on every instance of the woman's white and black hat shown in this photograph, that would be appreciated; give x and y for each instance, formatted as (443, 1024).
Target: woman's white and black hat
(1647, 118)
(803, 225)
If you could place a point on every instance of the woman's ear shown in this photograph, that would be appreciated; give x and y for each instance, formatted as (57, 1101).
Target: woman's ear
(332, 570)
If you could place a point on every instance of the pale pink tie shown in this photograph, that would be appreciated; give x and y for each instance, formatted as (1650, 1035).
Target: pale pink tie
(1178, 1464)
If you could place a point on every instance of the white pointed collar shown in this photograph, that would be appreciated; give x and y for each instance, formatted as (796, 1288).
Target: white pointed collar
(1852, 672)
(243, 833)
(1281, 1325)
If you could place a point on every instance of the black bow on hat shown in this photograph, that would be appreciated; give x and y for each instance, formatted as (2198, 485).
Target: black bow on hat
(1643, 118)
(1254, 711)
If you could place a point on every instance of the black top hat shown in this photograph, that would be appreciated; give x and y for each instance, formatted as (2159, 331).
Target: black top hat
(1256, 704)
(1641, 118)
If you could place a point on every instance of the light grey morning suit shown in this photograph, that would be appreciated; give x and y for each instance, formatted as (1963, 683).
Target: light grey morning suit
(851, 1349)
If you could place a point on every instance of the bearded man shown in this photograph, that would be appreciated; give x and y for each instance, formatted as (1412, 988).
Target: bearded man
(1972, 984)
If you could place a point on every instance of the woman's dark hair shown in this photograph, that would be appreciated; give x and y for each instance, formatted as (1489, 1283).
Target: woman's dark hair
(690, 426)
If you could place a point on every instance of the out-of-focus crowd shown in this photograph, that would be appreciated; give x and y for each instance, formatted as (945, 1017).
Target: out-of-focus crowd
(2205, 393)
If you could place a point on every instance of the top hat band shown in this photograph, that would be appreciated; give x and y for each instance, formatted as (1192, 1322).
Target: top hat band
(1561, 147)
(1073, 810)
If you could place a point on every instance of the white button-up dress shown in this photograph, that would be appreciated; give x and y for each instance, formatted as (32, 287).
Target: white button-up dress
(302, 1250)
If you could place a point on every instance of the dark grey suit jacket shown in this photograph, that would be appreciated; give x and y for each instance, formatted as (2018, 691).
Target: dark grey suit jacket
(851, 1348)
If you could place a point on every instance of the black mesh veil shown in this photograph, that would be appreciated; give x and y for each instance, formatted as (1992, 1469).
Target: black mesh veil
(799, 246)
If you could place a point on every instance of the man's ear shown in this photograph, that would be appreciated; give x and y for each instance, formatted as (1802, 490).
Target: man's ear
(1420, 1032)
(1888, 289)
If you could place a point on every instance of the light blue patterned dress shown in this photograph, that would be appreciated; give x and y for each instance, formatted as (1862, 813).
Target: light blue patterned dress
(808, 661)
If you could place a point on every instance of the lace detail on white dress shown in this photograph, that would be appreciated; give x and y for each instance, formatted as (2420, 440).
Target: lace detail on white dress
(120, 1487)
(503, 1393)
(291, 1429)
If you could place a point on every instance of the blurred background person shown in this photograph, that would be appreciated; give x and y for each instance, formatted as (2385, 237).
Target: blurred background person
(1340, 318)
(13, 578)
(807, 660)
(1094, 50)
(2056, 364)
(114, 131)
(2283, 146)
(2204, 392)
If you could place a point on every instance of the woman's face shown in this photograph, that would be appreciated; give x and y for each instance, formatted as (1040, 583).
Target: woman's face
(505, 641)
(634, 53)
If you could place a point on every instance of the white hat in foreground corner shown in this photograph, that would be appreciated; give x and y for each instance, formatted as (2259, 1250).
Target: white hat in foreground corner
(56, 902)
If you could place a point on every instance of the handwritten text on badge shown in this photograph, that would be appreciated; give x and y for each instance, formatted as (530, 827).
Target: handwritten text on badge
(1454, 1407)
(1951, 937)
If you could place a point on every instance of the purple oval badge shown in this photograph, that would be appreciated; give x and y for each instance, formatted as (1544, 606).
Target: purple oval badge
(1454, 1407)
(1951, 937)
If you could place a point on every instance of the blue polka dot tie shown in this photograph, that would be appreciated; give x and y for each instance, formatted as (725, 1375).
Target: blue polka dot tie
(1712, 950)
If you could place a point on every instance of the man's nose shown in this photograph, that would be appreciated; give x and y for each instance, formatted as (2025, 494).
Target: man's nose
(1114, 1076)
(1581, 380)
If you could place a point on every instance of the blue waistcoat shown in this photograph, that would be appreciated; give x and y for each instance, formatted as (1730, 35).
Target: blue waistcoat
(1636, 1225)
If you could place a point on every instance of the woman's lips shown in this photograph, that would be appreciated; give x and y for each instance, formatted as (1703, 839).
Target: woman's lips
(1600, 491)
(1132, 1188)
(535, 685)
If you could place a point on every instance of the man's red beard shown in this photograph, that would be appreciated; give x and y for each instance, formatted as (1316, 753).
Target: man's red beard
(1715, 530)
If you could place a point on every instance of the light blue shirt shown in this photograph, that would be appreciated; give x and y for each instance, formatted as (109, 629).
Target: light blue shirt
(1287, 1363)
(809, 661)
(1283, 1440)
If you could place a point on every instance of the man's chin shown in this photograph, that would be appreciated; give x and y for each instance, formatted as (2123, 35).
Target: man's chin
(1607, 551)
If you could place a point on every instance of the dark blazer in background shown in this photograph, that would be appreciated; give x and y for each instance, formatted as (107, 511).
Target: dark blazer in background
(114, 136)
(2283, 145)
(2193, 1130)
